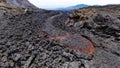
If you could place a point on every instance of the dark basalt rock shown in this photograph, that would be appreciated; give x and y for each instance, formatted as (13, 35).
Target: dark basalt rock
(43, 39)
(103, 28)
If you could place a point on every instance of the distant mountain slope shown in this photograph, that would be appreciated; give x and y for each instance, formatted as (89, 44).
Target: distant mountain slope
(74, 7)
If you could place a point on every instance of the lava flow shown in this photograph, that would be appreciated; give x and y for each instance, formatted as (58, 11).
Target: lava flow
(73, 41)
(59, 36)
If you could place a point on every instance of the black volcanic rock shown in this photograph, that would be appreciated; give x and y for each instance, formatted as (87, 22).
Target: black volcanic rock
(102, 26)
(23, 44)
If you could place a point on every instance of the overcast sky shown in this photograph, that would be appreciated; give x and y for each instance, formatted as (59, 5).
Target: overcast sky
(51, 4)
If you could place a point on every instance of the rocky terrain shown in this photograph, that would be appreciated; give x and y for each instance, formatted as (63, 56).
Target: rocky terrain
(102, 26)
(17, 3)
(15, 6)
(36, 38)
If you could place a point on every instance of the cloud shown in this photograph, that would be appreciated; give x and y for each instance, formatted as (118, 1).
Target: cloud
(65, 3)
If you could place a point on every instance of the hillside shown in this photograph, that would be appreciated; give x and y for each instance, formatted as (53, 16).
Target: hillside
(73, 7)
(37, 38)
(18, 3)
(15, 6)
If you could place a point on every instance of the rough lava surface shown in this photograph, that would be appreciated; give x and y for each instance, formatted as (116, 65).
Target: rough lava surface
(36, 38)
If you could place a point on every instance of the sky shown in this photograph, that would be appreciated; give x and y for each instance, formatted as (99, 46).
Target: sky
(53, 4)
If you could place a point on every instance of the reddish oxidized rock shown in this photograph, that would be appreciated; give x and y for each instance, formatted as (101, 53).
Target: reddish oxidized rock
(58, 36)
(73, 41)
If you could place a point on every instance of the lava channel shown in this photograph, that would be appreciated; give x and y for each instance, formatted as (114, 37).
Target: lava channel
(72, 41)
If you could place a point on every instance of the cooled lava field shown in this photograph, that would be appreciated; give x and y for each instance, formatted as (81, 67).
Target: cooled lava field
(37, 38)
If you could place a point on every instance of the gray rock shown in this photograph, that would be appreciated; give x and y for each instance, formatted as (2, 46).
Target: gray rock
(16, 56)
(75, 64)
